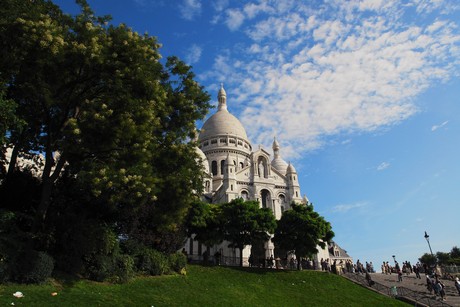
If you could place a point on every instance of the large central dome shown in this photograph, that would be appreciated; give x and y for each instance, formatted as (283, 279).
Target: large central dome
(222, 123)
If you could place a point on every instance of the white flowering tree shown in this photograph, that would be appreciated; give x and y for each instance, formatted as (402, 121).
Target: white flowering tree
(97, 101)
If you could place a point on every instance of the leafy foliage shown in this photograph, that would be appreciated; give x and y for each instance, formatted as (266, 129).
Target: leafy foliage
(244, 222)
(32, 267)
(428, 259)
(239, 222)
(302, 229)
(113, 124)
(204, 221)
(177, 262)
(442, 258)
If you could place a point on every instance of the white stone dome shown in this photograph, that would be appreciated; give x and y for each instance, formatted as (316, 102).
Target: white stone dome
(280, 165)
(291, 169)
(222, 123)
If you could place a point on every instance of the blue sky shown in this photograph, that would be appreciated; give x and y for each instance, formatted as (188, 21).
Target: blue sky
(363, 96)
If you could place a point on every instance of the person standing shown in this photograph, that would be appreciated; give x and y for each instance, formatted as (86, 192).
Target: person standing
(457, 285)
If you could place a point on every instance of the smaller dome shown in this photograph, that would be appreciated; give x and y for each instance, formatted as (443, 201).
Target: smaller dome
(204, 160)
(305, 199)
(290, 169)
(280, 165)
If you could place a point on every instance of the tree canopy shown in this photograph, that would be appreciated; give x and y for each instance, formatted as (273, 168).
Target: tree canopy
(238, 222)
(301, 230)
(112, 120)
(244, 222)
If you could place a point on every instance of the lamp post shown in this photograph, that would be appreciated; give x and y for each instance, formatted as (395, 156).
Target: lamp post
(427, 237)
(394, 258)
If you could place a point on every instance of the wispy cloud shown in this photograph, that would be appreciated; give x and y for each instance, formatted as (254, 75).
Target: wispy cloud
(309, 76)
(189, 9)
(193, 54)
(383, 165)
(436, 127)
(342, 208)
(235, 19)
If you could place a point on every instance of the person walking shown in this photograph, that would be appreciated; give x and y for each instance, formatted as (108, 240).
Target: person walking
(439, 287)
(429, 284)
(457, 285)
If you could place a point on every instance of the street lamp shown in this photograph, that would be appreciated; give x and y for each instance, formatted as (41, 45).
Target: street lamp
(394, 258)
(427, 237)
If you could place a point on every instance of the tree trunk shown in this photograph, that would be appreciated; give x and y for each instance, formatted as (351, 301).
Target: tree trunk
(13, 161)
(48, 180)
(299, 263)
(241, 256)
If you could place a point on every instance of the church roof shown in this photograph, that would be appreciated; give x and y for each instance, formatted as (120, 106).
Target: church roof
(290, 168)
(222, 122)
(278, 163)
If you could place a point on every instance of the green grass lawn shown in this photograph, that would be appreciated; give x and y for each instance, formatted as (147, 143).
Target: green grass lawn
(204, 286)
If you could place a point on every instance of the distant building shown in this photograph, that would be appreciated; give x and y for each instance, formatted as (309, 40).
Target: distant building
(236, 170)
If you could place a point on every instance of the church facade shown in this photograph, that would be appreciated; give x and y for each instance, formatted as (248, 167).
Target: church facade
(236, 170)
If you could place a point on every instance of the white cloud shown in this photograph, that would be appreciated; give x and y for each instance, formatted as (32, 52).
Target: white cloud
(220, 5)
(436, 127)
(347, 207)
(307, 76)
(189, 9)
(193, 54)
(382, 166)
(234, 19)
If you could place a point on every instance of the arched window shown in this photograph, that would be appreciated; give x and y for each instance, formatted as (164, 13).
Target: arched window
(281, 199)
(222, 167)
(265, 197)
(214, 168)
(207, 185)
(245, 195)
(241, 165)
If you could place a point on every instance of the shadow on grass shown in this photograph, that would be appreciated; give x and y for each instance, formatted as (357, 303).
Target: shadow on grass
(66, 279)
(255, 270)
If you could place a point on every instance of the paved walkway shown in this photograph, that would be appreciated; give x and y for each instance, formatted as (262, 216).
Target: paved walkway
(418, 285)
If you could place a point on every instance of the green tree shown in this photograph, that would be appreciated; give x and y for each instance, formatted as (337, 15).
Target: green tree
(244, 222)
(8, 121)
(455, 255)
(301, 229)
(443, 258)
(428, 259)
(455, 252)
(102, 107)
(96, 100)
(203, 221)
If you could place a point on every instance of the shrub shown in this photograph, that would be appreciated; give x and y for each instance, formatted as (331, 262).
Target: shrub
(150, 261)
(123, 269)
(32, 267)
(98, 267)
(177, 262)
(4, 269)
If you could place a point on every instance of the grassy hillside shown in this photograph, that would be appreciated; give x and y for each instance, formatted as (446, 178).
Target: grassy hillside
(204, 286)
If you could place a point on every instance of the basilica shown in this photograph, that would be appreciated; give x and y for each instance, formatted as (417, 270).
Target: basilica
(236, 170)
